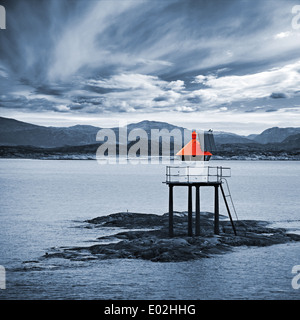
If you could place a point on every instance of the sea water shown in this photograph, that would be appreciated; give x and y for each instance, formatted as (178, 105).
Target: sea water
(44, 205)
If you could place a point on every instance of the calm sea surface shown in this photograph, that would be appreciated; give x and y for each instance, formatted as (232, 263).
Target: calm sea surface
(43, 205)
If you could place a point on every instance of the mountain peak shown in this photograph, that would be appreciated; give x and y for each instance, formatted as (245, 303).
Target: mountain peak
(276, 134)
(149, 124)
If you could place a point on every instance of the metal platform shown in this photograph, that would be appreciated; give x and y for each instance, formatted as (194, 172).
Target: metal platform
(196, 175)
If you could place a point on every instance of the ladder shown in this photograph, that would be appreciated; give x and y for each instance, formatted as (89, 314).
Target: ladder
(225, 197)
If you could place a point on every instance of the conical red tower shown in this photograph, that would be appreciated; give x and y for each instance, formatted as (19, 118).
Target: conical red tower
(193, 152)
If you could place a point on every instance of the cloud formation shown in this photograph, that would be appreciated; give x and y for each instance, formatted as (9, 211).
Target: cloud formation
(144, 57)
(232, 88)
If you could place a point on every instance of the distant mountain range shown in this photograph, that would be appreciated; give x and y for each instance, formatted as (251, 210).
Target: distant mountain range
(17, 133)
(275, 135)
(17, 137)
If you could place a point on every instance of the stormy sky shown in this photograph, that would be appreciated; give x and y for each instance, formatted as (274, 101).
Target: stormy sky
(231, 65)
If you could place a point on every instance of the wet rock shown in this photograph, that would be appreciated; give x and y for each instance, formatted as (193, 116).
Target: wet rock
(151, 241)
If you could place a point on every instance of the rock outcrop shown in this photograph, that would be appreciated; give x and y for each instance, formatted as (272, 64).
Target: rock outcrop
(146, 237)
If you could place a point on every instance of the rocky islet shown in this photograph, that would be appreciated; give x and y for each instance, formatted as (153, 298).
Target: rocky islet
(145, 236)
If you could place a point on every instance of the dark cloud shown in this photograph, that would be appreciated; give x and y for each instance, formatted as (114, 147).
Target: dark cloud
(76, 107)
(161, 98)
(100, 90)
(195, 100)
(51, 91)
(278, 95)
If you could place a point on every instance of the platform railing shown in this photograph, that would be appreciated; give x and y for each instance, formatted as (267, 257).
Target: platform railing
(193, 174)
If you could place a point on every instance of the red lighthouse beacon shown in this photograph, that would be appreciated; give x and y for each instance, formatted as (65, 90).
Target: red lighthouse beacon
(196, 174)
(193, 151)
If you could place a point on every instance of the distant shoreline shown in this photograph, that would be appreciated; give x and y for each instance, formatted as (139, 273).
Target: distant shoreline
(87, 158)
(88, 152)
(91, 158)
